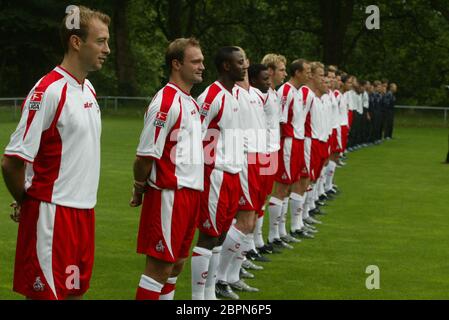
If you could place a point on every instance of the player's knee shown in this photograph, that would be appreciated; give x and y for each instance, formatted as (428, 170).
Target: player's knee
(206, 241)
(177, 268)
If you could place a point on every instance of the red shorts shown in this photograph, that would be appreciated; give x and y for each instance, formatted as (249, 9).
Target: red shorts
(292, 165)
(168, 222)
(325, 152)
(55, 250)
(344, 137)
(334, 142)
(219, 201)
(313, 151)
(268, 170)
(252, 194)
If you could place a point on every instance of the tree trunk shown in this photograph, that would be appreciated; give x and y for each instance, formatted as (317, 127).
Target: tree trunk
(336, 16)
(126, 74)
(175, 20)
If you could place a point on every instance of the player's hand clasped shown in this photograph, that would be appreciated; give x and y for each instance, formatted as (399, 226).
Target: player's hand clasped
(15, 215)
(138, 191)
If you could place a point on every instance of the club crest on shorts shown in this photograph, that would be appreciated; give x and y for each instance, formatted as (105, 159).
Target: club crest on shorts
(284, 176)
(242, 201)
(160, 247)
(206, 224)
(204, 275)
(161, 118)
(35, 101)
(38, 285)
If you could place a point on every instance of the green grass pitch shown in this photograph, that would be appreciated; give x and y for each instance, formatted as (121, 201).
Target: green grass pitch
(393, 213)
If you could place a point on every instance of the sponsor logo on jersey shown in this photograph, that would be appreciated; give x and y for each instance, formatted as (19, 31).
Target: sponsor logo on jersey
(161, 118)
(242, 201)
(88, 105)
(283, 101)
(160, 247)
(206, 224)
(35, 101)
(38, 284)
(205, 109)
(237, 245)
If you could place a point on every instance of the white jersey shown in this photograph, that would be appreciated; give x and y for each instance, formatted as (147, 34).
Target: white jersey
(365, 100)
(221, 127)
(335, 115)
(359, 103)
(252, 117)
(59, 137)
(272, 110)
(172, 137)
(344, 108)
(326, 116)
(297, 105)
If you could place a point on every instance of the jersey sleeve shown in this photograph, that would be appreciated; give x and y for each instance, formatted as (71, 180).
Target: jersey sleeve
(210, 107)
(159, 120)
(38, 112)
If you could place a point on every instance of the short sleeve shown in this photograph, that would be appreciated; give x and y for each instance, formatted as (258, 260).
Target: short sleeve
(161, 117)
(37, 115)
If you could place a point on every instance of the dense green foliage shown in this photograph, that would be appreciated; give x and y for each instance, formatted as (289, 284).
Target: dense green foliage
(411, 47)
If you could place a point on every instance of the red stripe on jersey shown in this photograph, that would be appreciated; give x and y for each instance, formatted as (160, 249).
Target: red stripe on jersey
(212, 93)
(287, 128)
(261, 98)
(48, 159)
(71, 75)
(166, 166)
(168, 95)
(93, 92)
(50, 78)
(308, 124)
(305, 94)
(285, 92)
(212, 145)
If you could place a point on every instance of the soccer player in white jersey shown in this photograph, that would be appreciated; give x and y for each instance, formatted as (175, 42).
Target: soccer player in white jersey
(251, 103)
(51, 167)
(277, 72)
(315, 142)
(223, 151)
(169, 170)
(345, 113)
(291, 176)
(336, 132)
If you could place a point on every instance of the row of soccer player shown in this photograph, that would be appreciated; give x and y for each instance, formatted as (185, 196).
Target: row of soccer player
(372, 116)
(304, 125)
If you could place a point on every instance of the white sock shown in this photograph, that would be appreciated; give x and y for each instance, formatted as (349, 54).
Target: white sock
(330, 175)
(233, 274)
(275, 212)
(311, 199)
(209, 291)
(258, 236)
(251, 241)
(321, 185)
(199, 266)
(306, 207)
(282, 228)
(233, 241)
(296, 203)
(168, 291)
